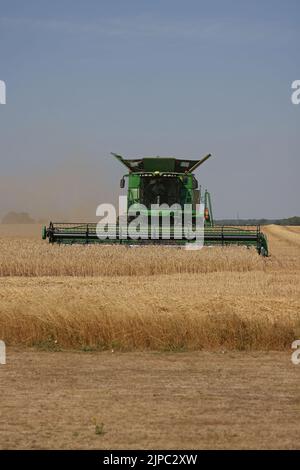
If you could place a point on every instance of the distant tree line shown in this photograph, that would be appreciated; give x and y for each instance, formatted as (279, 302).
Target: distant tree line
(289, 221)
(17, 218)
(25, 218)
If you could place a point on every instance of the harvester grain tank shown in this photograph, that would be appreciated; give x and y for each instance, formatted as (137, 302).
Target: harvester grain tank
(161, 181)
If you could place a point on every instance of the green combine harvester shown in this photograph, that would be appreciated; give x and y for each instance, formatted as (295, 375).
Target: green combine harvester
(155, 182)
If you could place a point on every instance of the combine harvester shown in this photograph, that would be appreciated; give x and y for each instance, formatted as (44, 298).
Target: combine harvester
(158, 181)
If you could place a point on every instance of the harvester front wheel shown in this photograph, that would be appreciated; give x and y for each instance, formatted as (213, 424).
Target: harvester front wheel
(263, 251)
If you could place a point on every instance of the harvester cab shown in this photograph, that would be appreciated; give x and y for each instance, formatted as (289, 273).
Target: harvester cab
(162, 186)
(165, 181)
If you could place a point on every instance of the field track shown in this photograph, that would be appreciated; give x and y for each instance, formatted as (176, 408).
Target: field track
(195, 400)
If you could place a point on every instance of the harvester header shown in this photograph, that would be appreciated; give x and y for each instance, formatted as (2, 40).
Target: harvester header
(162, 187)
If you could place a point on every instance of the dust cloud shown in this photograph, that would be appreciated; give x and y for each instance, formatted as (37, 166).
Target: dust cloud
(68, 191)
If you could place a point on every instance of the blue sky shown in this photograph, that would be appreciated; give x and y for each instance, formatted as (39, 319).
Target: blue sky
(154, 77)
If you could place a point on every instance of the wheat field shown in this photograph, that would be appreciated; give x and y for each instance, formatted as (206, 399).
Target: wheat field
(32, 258)
(101, 298)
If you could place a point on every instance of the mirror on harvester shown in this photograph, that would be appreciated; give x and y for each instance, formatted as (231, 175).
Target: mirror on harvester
(122, 183)
(195, 183)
